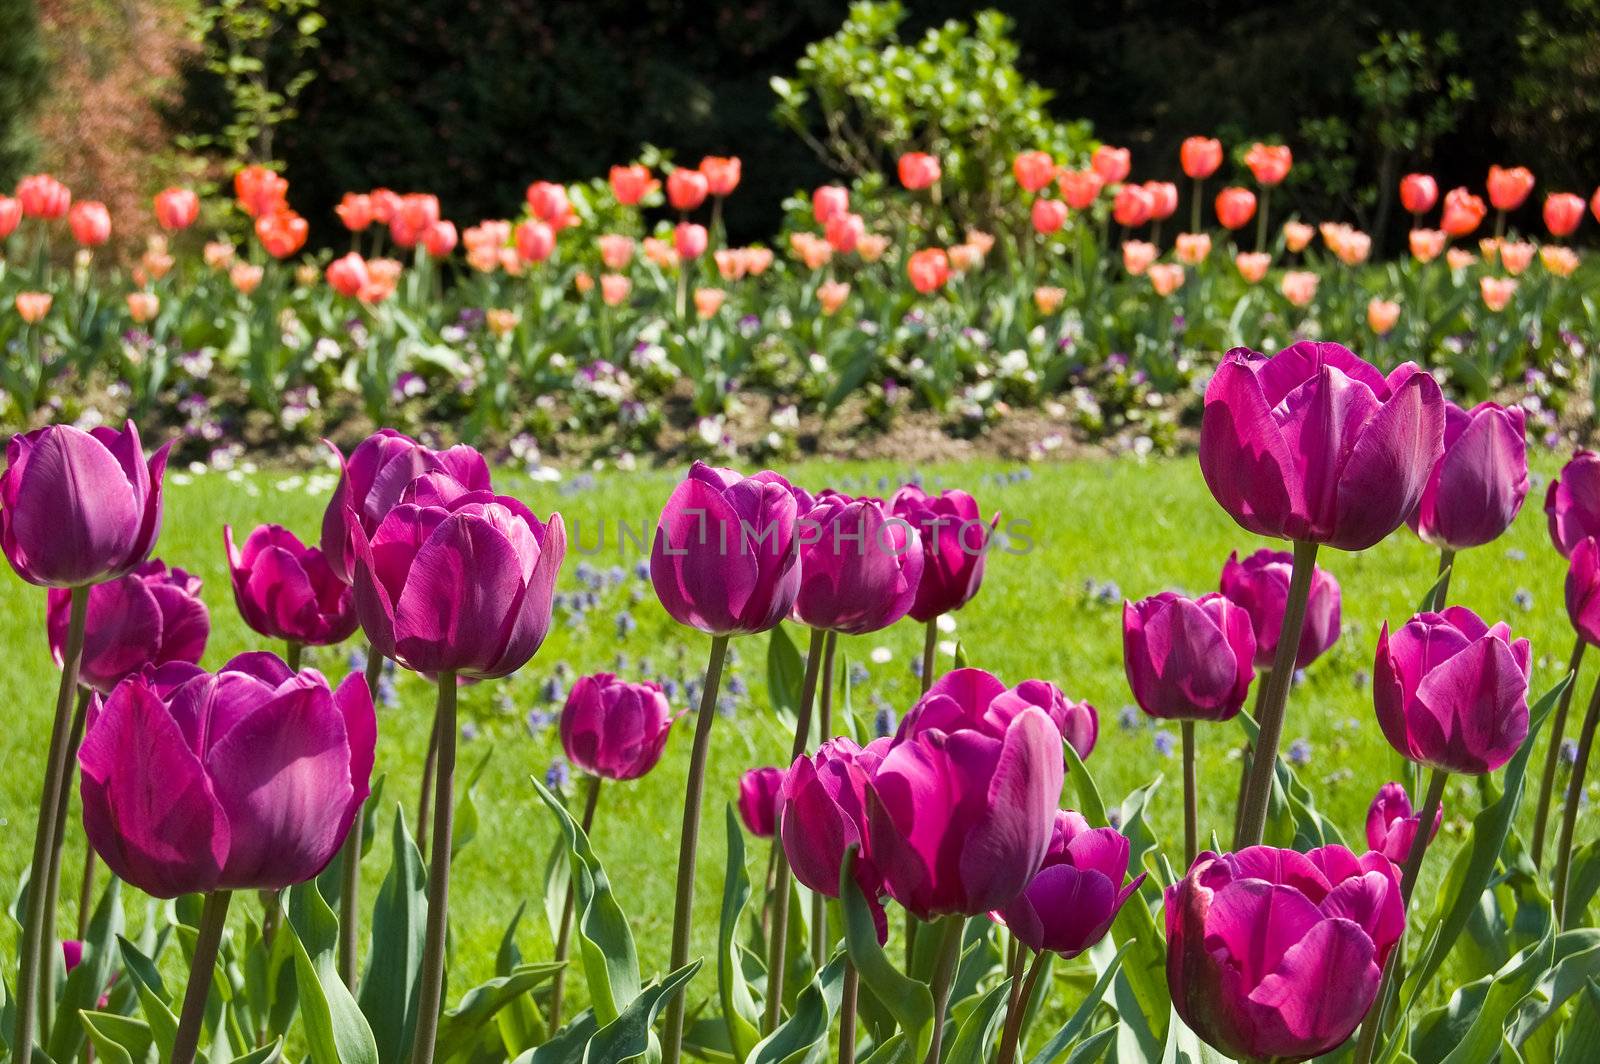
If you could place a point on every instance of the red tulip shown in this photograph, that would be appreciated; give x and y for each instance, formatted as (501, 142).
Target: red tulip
(355, 211)
(1269, 163)
(90, 223)
(686, 189)
(1594, 205)
(385, 205)
(1200, 156)
(348, 275)
(1164, 199)
(928, 270)
(260, 191)
(1463, 212)
(1509, 186)
(10, 215)
(1080, 188)
(844, 232)
(1132, 206)
(827, 201)
(548, 202)
(536, 241)
(918, 170)
(282, 234)
(689, 240)
(177, 208)
(42, 196)
(722, 174)
(1418, 193)
(1049, 215)
(1112, 164)
(440, 238)
(630, 184)
(1563, 212)
(1235, 207)
(1034, 169)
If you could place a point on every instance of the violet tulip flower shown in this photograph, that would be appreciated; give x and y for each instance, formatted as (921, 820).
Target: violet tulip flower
(822, 813)
(1583, 590)
(1188, 659)
(725, 559)
(1478, 485)
(1277, 955)
(1071, 903)
(614, 729)
(758, 800)
(462, 585)
(1313, 444)
(372, 480)
(955, 540)
(1572, 502)
(248, 778)
(860, 566)
(1392, 823)
(148, 618)
(1260, 586)
(287, 590)
(960, 809)
(1451, 692)
(79, 508)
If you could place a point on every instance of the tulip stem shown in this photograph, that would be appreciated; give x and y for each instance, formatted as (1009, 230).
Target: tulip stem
(58, 839)
(293, 652)
(425, 792)
(1552, 756)
(35, 932)
(1263, 766)
(688, 843)
(202, 969)
(1373, 1026)
(350, 870)
(1569, 814)
(1191, 812)
(944, 972)
(847, 1014)
(558, 984)
(777, 946)
(1447, 568)
(930, 647)
(86, 892)
(819, 902)
(1021, 994)
(431, 992)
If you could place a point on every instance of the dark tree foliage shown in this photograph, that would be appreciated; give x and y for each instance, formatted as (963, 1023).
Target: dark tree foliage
(22, 85)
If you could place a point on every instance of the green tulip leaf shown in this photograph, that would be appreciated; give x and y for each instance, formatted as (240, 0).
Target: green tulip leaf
(460, 1027)
(390, 985)
(152, 994)
(336, 1031)
(628, 1036)
(117, 1039)
(1576, 962)
(910, 1002)
(786, 674)
(1083, 1014)
(739, 1012)
(803, 1037)
(978, 1030)
(88, 980)
(1581, 1043)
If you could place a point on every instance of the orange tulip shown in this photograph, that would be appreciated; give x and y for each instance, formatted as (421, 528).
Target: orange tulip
(872, 247)
(1112, 164)
(827, 201)
(1193, 248)
(730, 263)
(418, 210)
(1235, 207)
(1516, 256)
(489, 235)
(355, 211)
(245, 277)
(282, 233)
(614, 289)
(90, 223)
(1166, 278)
(1382, 315)
(1497, 292)
(1459, 258)
(1252, 265)
(844, 232)
(757, 261)
(707, 301)
(1137, 255)
(616, 250)
(1048, 215)
(260, 191)
(630, 184)
(1080, 188)
(42, 196)
(536, 241)
(722, 173)
(33, 306)
(176, 208)
(548, 202)
(1048, 299)
(984, 242)
(814, 251)
(964, 258)
(831, 296)
(501, 321)
(1034, 169)
(10, 215)
(1296, 235)
(1509, 186)
(1558, 260)
(686, 189)
(1463, 212)
(928, 270)
(1563, 212)
(1426, 244)
(218, 254)
(143, 306)
(1200, 156)
(1418, 193)
(1299, 287)
(1132, 206)
(348, 275)
(583, 281)
(1269, 163)
(155, 262)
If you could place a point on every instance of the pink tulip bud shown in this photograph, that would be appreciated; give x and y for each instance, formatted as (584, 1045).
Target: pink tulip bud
(90, 223)
(1048, 215)
(536, 241)
(1583, 590)
(822, 812)
(1478, 485)
(1188, 659)
(827, 201)
(955, 540)
(686, 189)
(1260, 586)
(1563, 213)
(860, 565)
(1235, 207)
(148, 618)
(1418, 193)
(1071, 902)
(1112, 164)
(918, 170)
(42, 196)
(1392, 824)
(176, 208)
(613, 729)
(1572, 502)
(689, 240)
(1034, 170)
(758, 801)
(286, 590)
(348, 275)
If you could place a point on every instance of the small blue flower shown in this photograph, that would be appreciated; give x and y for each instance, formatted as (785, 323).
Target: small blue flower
(1128, 718)
(469, 731)
(553, 691)
(859, 674)
(1164, 743)
(557, 775)
(1524, 599)
(1569, 752)
(884, 722)
(626, 625)
(1300, 752)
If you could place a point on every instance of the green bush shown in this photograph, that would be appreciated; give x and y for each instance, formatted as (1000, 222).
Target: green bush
(22, 85)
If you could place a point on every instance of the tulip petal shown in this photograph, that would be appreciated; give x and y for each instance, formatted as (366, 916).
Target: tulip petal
(1384, 476)
(1471, 712)
(457, 599)
(1316, 996)
(700, 573)
(529, 621)
(1245, 460)
(76, 516)
(1005, 847)
(1481, 482)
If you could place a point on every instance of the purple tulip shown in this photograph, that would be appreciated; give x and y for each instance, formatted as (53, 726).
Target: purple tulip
(758, 800)
(822, 812)
(615, 729)
(1078, 722)
(79, 508)
(726, 553)
(1583, 590)
(1276, 955)
(287, 590)
(465, 586)
(954, 543)
(1188, 659)
(378, 472)
(1260, 585)
(859, 565)
(71, 953)
(1314, 444)
(1478, 485)
(246, 779)
(150, 617)
(1070, 904)
(959, 811)
(1572, 502)
(1452, 692)
(1392, 823)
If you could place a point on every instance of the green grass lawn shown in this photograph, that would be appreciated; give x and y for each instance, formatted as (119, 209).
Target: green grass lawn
(1143, 525)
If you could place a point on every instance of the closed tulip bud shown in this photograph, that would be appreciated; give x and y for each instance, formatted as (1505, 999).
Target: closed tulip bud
(707, 301)
(1112, 164)
(355, 211)
(1426, 244)
(1193, 248)
(831, 296)
(1048, 215)
(79, 508)
(143, 306)
(176, 208)
(859, 566)
(686, 188)
(1277, 955)
(148, 618)
(614, 289)
(1460, 258)
(757, 260)
(630, 184)
(457, 582)
(1132, 205)
(844, 232)
(286, 590)
(1583, 590)
(1166, 278)
(90, 223)
(10, 215)
(1392, 824)
(1269, 163)
(347, 275)
(440, 239)
(964, 258)
(42, 196)
(955, 540)
(821, 813)
(1353, 247)
(1497, 292)
(613, 729)
(1048, 299)
(928, 270)
(263, 768)
(960, 809)
(1478, 485)
(1259, 585)
(32, 307)
(385, 205)
(1164, 199)
(282, 234)
(1071, 902)
(1418, 193)
(1558, 261)
(1462, 214)
(1188, 659)
(1299, 287)
(758, 802)
(1137, 255)
(1382, 315)
(1080, 188)
(689, 240)
(1235, 207)
(827, 201)
(871, 247)
(730, 263)
(1563, 212)
(722, 174)
(245, 277)
(1296, 235)
(1572, 502)
(548, 202)
(419, 211)
(1509, 186)
(1200, 156)
(616, 250)
(259, 191)
(536, 241)
(1281, 470)
(1252, 265)
(918, 170)
(1515, 255)
(1034, 169)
